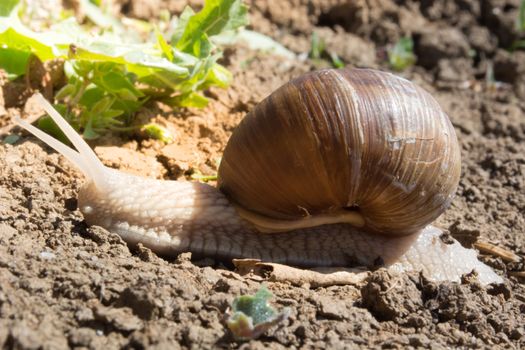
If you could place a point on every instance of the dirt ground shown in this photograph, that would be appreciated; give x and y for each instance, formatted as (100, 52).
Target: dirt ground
(66, 285)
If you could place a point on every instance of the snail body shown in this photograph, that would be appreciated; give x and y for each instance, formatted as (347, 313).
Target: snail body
(335, 168)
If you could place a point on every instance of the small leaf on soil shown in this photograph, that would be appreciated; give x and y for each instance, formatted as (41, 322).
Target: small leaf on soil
(158, 132)
(401, 56)
(252, 316)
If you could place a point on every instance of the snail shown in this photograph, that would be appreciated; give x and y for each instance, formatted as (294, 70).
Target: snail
(334, 168)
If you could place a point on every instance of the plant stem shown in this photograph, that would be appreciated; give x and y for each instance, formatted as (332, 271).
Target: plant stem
(74, 101)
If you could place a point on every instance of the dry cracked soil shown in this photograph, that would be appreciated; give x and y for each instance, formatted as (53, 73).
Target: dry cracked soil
(66, 285)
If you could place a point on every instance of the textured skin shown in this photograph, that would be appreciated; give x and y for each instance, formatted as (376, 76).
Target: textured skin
(171, 217)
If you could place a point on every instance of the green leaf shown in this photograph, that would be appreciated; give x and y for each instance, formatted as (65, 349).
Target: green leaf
(336, 61)
(117, 83)
(167, 50)
(11, 139)
(255, 306)
(238, 17)
(216, 16)
(28, 42)
(99, 17)
(218, 76)
(317, 47)
(401, 56)
(182, 22)
(252, 315)
(318, 52)
(89, 133)
(128, 106)
(190, 99)
(91, 95)
(14, 61)
(133, 56)
(200, 75)
(47, 125)
(7, 7)
(102, 105)
(158, 132)
(82, 68)
(67, 90)
(110, 115)
(202, 48)
(198, 176)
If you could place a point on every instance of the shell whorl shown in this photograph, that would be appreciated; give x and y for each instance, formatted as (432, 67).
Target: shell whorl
(353, 139)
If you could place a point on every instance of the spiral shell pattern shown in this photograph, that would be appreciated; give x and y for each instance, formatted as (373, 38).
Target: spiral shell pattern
(349, 139)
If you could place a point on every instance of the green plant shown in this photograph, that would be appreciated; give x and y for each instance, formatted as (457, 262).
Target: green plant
(317, 47)
(109, 78)
(158, 132)
(252, 315)
(401, 55)
(319, 52)
(7, 6)
(198, 176)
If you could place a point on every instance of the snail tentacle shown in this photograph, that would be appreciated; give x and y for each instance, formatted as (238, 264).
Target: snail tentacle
(84, 158)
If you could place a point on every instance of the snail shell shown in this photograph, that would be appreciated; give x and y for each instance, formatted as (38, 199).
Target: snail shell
(351, 139)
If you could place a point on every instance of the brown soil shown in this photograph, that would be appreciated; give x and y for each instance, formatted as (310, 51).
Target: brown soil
(63, 284)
